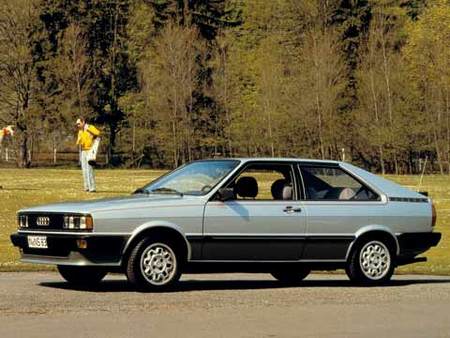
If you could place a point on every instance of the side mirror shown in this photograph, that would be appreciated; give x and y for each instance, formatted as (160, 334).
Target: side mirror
(225, 194)
(138, 191)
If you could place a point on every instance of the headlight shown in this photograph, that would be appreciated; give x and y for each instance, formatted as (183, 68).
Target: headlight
(78, 222)
(22, 221)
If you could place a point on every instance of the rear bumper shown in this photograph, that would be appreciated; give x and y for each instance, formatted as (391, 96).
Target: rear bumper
(412, 244)
(63, 249)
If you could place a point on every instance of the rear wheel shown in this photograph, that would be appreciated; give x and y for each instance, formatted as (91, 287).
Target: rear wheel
(371, 263)
(291, 277)
(82, 275)
(154, 264)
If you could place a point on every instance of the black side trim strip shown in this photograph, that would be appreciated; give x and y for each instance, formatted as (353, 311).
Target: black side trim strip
(277, 237)
(268, 238)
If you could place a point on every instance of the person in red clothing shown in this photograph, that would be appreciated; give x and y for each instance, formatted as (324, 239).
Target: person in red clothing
(6, 132)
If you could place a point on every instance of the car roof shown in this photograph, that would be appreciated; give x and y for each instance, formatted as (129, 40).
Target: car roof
(272, 159)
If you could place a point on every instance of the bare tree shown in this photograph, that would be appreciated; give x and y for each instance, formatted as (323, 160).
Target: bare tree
(17, 68)
(221, 92)
(73, 68)
(169, 77)
(427, 54)
(321, 81)
(383, 94)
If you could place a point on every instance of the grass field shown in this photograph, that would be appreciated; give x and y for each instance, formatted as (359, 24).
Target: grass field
(23, 188)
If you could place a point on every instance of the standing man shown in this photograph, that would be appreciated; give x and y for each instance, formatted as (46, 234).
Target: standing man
(88, 141)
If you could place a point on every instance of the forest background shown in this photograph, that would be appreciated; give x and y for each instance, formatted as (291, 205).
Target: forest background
(169, 81)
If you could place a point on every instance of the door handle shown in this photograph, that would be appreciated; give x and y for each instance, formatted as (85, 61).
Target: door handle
(290, 209)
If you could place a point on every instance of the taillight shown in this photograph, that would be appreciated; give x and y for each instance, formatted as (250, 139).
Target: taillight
(433, 215)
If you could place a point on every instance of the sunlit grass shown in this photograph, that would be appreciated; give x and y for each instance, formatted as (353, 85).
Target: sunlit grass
(438, 187)
(24, 188)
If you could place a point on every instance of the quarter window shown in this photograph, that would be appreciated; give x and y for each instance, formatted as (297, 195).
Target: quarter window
(326, 183)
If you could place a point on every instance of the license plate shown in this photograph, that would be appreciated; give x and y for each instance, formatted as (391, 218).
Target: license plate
(37, 242)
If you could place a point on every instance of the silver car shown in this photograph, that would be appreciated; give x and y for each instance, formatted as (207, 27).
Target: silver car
(281, 216)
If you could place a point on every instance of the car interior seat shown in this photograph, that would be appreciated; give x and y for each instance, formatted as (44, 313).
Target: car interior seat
(340, 194)
(281, 190)
(246, 187)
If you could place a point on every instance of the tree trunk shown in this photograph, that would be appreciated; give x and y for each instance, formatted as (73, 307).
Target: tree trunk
(22, 159)
(318, 106)
(377, 120)
(383, 170)
(225, 100)
(438, 152)
(386, 72)
(113, 99)
(80, 109)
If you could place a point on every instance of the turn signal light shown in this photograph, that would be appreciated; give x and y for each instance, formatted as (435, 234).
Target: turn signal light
(88, 222)
(82, 243)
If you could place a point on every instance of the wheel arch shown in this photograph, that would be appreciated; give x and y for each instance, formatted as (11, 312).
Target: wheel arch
(373, 231)
(164, 229)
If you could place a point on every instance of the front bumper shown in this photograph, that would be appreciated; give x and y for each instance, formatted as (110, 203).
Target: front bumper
(412, 244)
(101, 250)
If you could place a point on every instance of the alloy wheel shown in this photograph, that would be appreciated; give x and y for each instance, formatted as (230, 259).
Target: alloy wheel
(158, 264)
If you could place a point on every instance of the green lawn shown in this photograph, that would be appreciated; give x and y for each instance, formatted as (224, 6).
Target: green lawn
(28, 187)
(438, 187)
(23, 188)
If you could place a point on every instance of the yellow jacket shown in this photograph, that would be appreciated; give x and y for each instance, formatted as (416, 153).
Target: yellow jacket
(86, 136)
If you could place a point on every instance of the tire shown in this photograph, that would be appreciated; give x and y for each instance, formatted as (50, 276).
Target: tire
(371, 263)
(82, 275)
(154, 265)
(291, 277)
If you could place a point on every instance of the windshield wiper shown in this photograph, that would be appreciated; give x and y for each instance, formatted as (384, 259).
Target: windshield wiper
(166, 190)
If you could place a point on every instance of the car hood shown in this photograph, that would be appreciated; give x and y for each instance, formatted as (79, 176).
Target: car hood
(115, 203)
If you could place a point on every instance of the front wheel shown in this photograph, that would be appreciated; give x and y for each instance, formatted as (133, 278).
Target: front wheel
(371, 263)
(291, 277)
(154, 265)
(82, 275)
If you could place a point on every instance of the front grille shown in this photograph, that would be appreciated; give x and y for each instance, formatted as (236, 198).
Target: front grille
(45, 221)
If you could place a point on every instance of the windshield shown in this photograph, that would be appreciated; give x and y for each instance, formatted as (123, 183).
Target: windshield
(196, 178)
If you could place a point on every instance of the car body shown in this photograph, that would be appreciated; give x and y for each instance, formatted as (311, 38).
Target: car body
(285, 216)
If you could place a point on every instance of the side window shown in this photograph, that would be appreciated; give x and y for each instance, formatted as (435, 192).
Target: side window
(325, 183)
(265, 182)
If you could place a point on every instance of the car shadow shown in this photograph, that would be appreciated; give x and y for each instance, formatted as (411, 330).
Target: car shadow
(217, 285)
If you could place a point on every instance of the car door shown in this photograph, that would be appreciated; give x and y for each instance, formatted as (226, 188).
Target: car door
(338, 205)
(259, 223)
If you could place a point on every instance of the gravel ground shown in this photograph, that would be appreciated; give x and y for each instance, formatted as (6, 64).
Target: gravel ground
(40, 304)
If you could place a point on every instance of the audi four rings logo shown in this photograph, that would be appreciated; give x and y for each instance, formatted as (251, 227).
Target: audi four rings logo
(43, 221)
